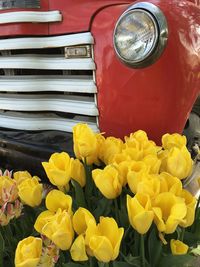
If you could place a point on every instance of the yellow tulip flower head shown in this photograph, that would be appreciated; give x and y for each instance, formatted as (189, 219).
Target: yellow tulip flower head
(108, 181)
(81, 219)
(110, 147)
(137, 172)
(78, 250)
(190, 202)
(43, 218)
(28, 252)
(103, 240)
(85, 143)
(78, 172)
(59, 230)
(169, 211)
(173, 140)
(21, 176)
(140, 213)
(57, 199)
(170, 183)
(178, 247)
(30, 191)
(153, 162)
(177, 162)
(58, 169)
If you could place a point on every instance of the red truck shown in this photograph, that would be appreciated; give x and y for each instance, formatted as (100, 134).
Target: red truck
(117, 65)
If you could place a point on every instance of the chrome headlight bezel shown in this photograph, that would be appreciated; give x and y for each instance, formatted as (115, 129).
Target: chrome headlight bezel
(160, 39)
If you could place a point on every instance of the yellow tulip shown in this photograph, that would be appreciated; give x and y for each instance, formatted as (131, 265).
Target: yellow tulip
(8, 190)
(58, 169)
(123, 168)
(150, 186)
(177, 162)
(57, 199)
(173, 140)
(28, 252)
(139, 212)
(59, 230)
(77, 250)
(78, 172)
(133, 153)
(110, 147)
(30, 191)
(170, 183)
(43, 218)
(85, 143)
(103, 240)
(139, 140)
(153, 162)
(169, 211)
(21, 176)
(108, 181)
(137, 172)
(81, 219)
(190, 202)
(120, 157)
(178, 247)
(139, 136)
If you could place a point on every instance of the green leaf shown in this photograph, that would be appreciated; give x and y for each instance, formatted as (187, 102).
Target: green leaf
(71, 264)
(123, 264)
(177, 261)
(131, 260)
(104, 208)
(154, 247)
(79, 195)
(2, 247)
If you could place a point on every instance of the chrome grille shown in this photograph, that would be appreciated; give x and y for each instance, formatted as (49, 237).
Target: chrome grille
(40, 89)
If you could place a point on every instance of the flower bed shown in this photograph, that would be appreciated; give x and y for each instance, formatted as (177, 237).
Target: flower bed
(118, 204)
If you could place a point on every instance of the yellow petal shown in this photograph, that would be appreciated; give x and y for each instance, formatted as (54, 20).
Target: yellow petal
(81, 219)
(77, 250)
(178, 247)
(101, 248)
(57, 199)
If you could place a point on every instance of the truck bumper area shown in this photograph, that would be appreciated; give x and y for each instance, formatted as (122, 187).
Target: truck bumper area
(25, 150)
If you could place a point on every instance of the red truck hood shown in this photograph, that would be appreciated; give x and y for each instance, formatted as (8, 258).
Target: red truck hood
(76, 16)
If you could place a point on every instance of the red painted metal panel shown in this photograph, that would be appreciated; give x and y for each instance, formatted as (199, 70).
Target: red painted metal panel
(77, 14)
(158, 98)
(15, 29)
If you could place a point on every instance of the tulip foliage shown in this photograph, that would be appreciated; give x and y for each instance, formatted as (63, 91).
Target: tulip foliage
(116, 203)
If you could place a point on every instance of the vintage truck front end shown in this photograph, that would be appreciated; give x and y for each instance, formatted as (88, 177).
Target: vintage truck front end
(64, 62)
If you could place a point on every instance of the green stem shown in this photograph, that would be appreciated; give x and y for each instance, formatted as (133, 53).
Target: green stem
(196, 215)
(116, 211)
(90, 262)
(142, 252)
(182, 234)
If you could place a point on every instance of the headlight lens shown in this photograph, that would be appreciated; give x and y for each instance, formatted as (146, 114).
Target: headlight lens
(138, 35)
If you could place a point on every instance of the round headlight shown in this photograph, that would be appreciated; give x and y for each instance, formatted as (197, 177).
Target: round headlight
(140, 35)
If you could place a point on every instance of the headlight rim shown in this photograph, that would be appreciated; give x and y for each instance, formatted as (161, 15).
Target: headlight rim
(161, 27)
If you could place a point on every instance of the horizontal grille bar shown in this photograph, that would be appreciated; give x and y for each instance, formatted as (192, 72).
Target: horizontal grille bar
(70, 104)
(30, 16)
(47, 83)
(45, 62)
(46, 42)
(21, 121)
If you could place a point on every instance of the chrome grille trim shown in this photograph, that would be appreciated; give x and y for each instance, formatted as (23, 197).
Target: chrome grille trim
(43, 83)
(45, 62)
(41, 122)
(41, 89)
(70, 104)
(46, 42)
(30, 16)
